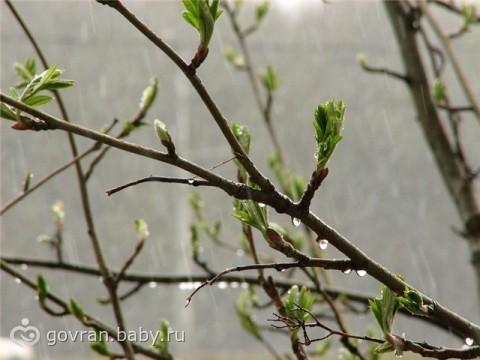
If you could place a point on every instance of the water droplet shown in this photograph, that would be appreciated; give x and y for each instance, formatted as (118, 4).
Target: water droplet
(222, 285)
(191, 181)
(469, 341)
(323, 244)
(361, 273)
(347, 271)
(398, 354)
(37, 298)
(187, 302)
(152, 284)
(18, 281)
(234, 285)
(296, 222)
(262, 205)
(244, 285)
(183, 286)
(24, 267)
(240, 252)
(100, 279)
(283, 270)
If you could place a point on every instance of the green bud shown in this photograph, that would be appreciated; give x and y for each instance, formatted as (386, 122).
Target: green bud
(468, 14)
(262, 10)
(328, 124)
(242, 134)
(270, 79)
(438, 91)
(42, 288)
(141, 229)
(362, 58)
(233, 57)
(149, 95)
(58, 211)
(76, 310)
(164, 136)
(162, 342)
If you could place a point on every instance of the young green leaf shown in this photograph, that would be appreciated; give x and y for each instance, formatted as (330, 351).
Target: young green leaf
(7, 113)
(298, 297)
(242, 134)
(438, 91)
(468, 14)
(58, 210)
(262, 10)
(233, 57)
(251, 213)
(328, 124)
(384, 309)
(243, 308)
(201, 15)
(76, 310)
(38, 100)
(100, 345)
(149, 95)
(270, 79)
(164, 135)
(194, 240)
(163, 339)
(42, 288)
(141, 229)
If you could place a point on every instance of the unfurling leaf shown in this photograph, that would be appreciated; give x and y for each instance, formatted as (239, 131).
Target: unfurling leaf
(251, 213)
(76, 310)
(42, 288)
(468, 14)
(438, 91)
(194, 240)
(141, 229)
(100, 345)
(7, 113)
(262, 10)
(164, 135)
(328, 124)
(58, 210)
(270, 79)
(202, 15)
(242, 134)
(163, 339)
(149, 95)
(233, 57)
(243, 308)
(296, 298)
(384, 309)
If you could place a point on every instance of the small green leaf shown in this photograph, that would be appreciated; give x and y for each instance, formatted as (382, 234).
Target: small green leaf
(163, 339)
(6, 112)
(149, 95)
(270, 79)
(76, 310)
(100, 345)
(438, 91)
(468, 14)
(384, 348)
(328, 124)
(298, 297)
(23, 72)
(58, 210)
(161, 131)
(195, 201)
(322, 348)
(42, 288)
(384, 309)
(141, 229)
(195, 240)
(251, 213)
(201, 15)
(262, 10)
(233, 57)
(243, 308)
(242, 134)
(38, 100)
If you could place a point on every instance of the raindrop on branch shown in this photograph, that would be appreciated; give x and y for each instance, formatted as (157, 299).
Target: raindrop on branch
(361, 273)
(191, 181)
(347, 271)
(296, 222)
(323, 244)
(24, 267)
(152, 284)
(222, 285)
(469, 341)
(18, 281)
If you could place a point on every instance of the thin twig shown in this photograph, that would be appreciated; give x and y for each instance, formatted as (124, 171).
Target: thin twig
(162, 179)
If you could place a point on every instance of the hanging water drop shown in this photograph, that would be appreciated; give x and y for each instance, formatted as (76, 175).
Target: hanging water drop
(191, 181)
(398, 354)
(244, 285)
(296, 222)
(187, 302)
(323, 244)
(361, 273)
(234, 285)
(469, 341)
(222, 285)
(262, 205)
(24, 267)
(152, 284)
(347, 271)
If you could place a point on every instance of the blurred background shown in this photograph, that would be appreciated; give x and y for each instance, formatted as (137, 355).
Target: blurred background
(383, 192)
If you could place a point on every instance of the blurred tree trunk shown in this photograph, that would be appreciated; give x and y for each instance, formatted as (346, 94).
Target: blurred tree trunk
(453, 169)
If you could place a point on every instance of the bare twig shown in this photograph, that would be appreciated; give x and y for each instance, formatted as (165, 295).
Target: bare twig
(162, 179)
